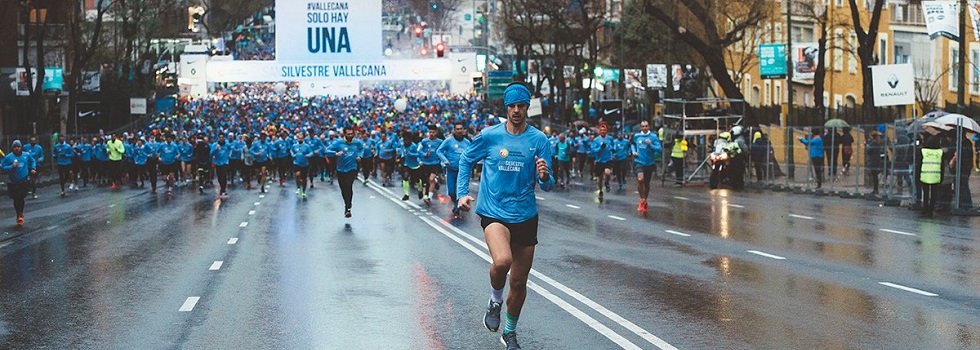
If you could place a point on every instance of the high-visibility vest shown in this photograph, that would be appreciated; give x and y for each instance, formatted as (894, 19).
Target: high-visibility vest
(680, 146)
(932, 166)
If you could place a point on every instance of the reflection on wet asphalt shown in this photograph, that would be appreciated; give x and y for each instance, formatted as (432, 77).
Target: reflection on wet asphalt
(110, 270)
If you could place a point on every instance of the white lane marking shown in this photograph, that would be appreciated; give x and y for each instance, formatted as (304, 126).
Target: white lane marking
(897, 232)
(777, 257)
(616, 218)
(678, 233)
(539, 198)
(257, 203)
(372, 197)
(574, 311)
(908, 289)
(189, 304)
(626, 344)
(736, 206)
(682, 198)
(573, 206)
(112, 205)
(804, 217)
(232, 240)
(261, 196)
(216, 265)
(251, 212)
(243, 224)
(51, 227)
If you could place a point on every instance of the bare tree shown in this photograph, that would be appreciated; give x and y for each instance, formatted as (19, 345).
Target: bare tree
(710, 27)
(930, 83)
(436, 13)
(867, 37)
(85, 36)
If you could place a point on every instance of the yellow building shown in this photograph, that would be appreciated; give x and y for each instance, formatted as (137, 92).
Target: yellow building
(902, 38)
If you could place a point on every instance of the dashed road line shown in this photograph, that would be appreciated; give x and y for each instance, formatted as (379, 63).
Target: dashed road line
(216, 266)
(616, 217)
(897, 232)
(251, 212)
(908, 289)
(112, 205)
(243, 224)
(682, 198)
(573, 206)
(189, 304)
(736, 206)
(777, 257)
(571, 309)
(804, 217)
(261, 196)
(257, 203)
(232, 240)
(49, 228)
(682, 234)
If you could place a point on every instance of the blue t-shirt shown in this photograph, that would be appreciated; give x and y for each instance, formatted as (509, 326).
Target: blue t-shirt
(602, 148)
(64, 153)
(427, 151)
(301, 152)
(346, 162)
(220, 154)
(646, 154)
(169, 152)
(25, 163)
(450, 150)
(509, 172)
(86, 152)
(621, 149)
(562, 151)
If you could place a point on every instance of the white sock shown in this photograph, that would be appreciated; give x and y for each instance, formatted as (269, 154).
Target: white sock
(497, 295)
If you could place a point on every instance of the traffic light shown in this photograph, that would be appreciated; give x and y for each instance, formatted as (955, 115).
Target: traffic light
(440, 50)
(418, 31)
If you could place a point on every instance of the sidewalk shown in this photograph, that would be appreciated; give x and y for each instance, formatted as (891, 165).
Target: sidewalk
(853, 186)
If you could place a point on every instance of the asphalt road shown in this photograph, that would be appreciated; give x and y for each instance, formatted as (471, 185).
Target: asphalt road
(704, 270)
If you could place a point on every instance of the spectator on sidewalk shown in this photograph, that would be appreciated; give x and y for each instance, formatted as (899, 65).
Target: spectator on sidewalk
(876, 156)
(815, 146)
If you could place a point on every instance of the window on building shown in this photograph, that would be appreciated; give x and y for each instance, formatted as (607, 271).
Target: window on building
(767, 94)
(954, 73)
(777, 98)
(883, 48)
(852, 63)
(975, 79)
(839, 50)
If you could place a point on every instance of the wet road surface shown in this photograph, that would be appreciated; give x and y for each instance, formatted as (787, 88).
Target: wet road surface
(705, 269)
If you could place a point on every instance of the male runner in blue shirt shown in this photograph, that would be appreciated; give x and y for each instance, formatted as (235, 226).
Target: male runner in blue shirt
(20, 166)
(516, 157)
(348, 152)
(449, 153)
(646, 148)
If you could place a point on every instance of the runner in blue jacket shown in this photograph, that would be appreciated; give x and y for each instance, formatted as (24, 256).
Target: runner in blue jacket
(516, 159)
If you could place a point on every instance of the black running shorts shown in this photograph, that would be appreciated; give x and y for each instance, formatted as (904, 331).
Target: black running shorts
(522, 233)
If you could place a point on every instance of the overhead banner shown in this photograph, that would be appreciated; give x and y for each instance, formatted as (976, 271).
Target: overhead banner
(265, 71)
(805, 60)
(893, 84)
(657, 76)
(942, 18)
(328, 32)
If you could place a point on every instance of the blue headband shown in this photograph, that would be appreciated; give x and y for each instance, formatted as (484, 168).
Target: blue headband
(516, 93)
